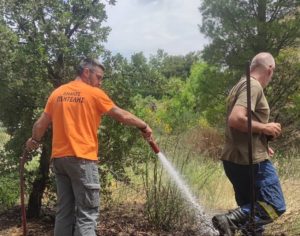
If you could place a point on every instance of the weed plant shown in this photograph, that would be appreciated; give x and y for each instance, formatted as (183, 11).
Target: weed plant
(164, 205)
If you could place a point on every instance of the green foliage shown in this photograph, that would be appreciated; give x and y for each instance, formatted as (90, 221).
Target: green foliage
(140, 87)
(241, 29)
(4, 137)
(198, 101)
(283, 95)
(174, 66)
(9, 190)
(167, 114)
(47, 38)
(122, 146)
(136, 86)
(209, 85)
(41, 41)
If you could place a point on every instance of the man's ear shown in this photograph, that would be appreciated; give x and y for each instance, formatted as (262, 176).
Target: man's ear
(86, 72)
(270, 70)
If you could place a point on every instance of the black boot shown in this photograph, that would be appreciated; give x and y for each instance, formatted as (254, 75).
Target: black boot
(228, 223)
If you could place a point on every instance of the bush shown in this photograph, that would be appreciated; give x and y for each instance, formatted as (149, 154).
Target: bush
(165, 207)
(206, 141)
(9, 191)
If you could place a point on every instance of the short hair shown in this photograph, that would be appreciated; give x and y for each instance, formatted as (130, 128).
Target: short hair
(263, 59)
(89, 63)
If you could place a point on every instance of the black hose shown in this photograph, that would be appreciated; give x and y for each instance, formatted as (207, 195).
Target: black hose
(251, 170)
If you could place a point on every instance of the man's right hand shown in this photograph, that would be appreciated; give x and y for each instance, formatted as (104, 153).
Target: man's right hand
(147, 133)
(272, 129)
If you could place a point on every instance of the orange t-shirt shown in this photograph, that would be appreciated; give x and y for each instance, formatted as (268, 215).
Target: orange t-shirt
(75, 110)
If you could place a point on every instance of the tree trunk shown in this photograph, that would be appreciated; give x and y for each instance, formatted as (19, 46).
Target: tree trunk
(262, 40)
(39, 185)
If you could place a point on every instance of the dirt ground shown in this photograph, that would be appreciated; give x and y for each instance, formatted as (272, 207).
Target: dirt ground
(123, 220)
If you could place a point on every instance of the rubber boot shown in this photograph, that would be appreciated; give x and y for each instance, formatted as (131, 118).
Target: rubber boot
(228, 223)
(250, 233)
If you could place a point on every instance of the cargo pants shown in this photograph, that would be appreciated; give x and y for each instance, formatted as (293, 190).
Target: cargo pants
(78, 200)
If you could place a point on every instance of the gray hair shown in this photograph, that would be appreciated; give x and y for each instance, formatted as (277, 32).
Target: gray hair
(89, 63)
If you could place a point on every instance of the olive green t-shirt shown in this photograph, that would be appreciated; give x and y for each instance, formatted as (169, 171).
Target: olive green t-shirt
(236, 142)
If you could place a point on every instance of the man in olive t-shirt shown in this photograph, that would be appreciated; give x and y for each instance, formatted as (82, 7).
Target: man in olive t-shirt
(236, 142)
(269, 203)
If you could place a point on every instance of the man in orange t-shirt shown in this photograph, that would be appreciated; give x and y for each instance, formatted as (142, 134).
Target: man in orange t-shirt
(75, 111)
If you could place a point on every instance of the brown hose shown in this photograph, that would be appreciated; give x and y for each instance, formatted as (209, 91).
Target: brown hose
(23, 159)
(154, 146)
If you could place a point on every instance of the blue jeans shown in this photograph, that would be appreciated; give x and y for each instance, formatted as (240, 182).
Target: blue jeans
(269, 202)
(78, 198)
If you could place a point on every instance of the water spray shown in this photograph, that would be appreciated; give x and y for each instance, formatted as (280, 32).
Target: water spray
(205, 225)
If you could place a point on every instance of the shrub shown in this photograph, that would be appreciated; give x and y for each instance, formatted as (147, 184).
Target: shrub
(206, 141)
(9, 191)
(165, 207)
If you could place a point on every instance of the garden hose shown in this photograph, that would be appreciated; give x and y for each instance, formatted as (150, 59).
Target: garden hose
(23, 159)
(154, 146)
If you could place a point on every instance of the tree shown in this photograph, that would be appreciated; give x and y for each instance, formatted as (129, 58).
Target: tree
(174, 66)
(46, 38)
(116, 140)
(209, 85)
(284, 94)
(241, 29)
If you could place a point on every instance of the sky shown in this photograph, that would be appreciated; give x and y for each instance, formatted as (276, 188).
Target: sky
(148, 25)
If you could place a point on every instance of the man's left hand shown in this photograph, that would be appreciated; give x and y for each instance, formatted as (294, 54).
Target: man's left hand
(32, 145)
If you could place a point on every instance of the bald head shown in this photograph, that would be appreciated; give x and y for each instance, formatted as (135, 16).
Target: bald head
(263, 60)
(262, 68)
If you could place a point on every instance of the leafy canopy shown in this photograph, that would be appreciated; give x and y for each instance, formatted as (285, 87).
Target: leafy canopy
(240, 29)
